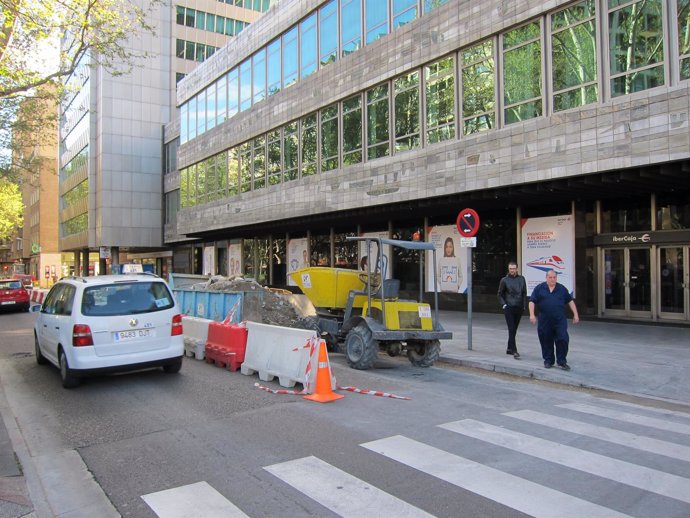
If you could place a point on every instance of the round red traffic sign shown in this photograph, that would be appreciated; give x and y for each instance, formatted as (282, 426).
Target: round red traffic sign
(467, 223)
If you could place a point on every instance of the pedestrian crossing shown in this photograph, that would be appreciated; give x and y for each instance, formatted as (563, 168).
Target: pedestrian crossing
(644, 433)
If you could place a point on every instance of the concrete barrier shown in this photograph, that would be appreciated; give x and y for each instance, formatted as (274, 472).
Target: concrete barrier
(195, 331)
(226, 345)
(274, 351)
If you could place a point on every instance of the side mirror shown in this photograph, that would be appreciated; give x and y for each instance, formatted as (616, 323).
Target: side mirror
(36, 308)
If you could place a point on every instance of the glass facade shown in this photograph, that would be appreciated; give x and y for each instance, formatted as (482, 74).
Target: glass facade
(418, 108)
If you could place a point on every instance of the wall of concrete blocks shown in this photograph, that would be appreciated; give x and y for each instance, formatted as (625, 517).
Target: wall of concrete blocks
(649, 127)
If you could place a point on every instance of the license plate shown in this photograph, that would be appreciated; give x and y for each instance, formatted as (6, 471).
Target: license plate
(134, 334)
(5, 302)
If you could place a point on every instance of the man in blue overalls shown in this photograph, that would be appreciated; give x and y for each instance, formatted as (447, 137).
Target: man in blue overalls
(551, 298)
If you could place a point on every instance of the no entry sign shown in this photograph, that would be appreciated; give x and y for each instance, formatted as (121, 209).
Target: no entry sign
(467, 223)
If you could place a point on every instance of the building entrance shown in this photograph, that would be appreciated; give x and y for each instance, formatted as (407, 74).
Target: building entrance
(627, 282)
(674, 282)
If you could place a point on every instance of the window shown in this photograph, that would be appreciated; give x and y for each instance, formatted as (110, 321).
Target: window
(210, 22)
(210, 107)
(273, 66)
(192, 118)
(308, 141)
(350, 26)
(328, 33)
(233, 169)
(184, 135)
(406, 110)
(259, 76)
(274, 165)
(201, 112)
(376, 16)
(377, 122)
(179, 15)
(221, 100)
(200, 170)
(352, 130)
(329, 138)
(179, 48)
(290, 151)
(290, 57)
(233, 92)
(439, 84)
(259, 146)
(478, 88)
(189, 50)
(245, 167)
(430, 5)
(200, 20)
(307, 46)
(636, 46)
(189, 18)
(184, 190)
(573, 43)
(404, 11)
(522, 77)
(684, 38)
(245, 84)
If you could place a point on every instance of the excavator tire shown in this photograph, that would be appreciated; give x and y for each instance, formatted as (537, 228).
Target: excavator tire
(423, 353)
(361, 350)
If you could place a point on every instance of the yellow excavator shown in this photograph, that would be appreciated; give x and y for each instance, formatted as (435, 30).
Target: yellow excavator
(360, 312)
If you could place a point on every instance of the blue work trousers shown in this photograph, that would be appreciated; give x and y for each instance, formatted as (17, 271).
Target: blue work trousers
(553, 332)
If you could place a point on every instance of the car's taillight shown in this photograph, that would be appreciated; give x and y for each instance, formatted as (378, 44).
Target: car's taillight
(176, 326)
(81, 335)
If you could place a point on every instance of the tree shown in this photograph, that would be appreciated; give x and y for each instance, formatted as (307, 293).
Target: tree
(11, 209)
(43, 42)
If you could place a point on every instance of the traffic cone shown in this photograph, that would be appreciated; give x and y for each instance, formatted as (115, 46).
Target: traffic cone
(323, 392)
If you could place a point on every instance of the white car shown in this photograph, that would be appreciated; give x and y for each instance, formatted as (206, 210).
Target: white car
(108, 323)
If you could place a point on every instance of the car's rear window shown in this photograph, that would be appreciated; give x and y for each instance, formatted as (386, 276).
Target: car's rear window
(10, 285)
(126, 299)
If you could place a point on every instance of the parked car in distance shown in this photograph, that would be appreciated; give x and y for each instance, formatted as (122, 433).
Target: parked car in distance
(27, 280)
(108, 323)
(13, 296)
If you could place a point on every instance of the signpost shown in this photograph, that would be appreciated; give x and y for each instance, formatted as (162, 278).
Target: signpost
(468, 226)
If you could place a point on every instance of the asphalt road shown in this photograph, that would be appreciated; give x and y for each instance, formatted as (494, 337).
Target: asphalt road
(466, 444)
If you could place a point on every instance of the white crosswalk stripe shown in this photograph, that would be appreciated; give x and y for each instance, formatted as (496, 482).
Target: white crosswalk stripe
(624, 472)
(340, 492)
(651, 422)
(665, 411)
(520, 494)
(350, 497)
(631, 440)
(198, 499)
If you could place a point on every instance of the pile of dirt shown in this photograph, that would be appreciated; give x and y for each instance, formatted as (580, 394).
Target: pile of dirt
(276, 308)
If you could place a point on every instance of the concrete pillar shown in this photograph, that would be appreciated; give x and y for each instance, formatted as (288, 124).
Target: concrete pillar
(85, 262)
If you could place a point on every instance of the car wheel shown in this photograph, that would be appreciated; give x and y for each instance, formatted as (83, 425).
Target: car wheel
(40, 359)
(361, 350)
(68, 379)
(173, 368)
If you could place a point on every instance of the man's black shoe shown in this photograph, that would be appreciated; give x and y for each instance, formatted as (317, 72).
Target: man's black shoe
(516, 355)
(548, 365)
(509, 352)
(565, 366)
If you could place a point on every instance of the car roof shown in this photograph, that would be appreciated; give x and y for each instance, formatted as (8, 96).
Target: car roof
(110, 279)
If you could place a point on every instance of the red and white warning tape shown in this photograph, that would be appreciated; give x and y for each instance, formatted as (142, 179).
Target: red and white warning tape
(373, 393)
(311, 345)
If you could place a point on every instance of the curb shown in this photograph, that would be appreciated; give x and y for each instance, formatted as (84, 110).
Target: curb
(550, 376)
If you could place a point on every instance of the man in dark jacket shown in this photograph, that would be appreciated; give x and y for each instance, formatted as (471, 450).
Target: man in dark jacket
(512, 295)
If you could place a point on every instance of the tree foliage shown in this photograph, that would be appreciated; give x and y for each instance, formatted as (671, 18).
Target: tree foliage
(42, 43)
(11, 209)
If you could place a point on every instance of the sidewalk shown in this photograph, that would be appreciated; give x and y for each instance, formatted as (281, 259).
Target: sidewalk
(635, 359)
(641, 360)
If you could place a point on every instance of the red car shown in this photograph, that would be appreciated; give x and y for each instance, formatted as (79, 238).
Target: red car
(13, 295)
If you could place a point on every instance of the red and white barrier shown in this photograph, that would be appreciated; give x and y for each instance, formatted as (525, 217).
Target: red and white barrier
(37, 295)
(195, 335)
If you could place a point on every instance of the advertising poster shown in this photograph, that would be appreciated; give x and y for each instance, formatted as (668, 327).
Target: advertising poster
(548, 244)
(385, 258)
(234, 259)
(297, 256)
(209, 260)
(450, 260)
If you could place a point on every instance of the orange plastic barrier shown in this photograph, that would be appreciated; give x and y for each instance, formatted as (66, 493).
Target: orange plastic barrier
(226, 345)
